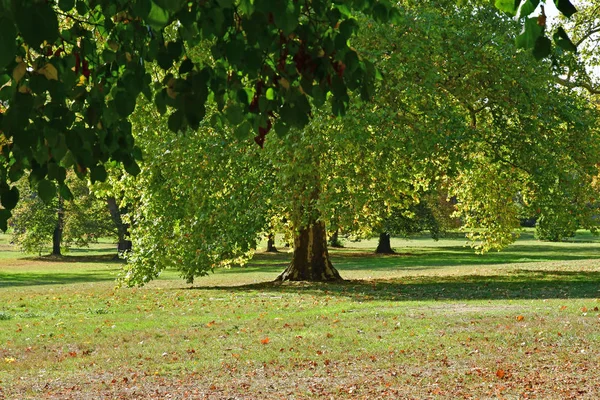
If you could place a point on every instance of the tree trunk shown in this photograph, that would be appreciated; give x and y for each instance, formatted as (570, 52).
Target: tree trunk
(58, 229)
(384, 246)
(334, 240)
(122, 228)
(310, 261)
(271, 243)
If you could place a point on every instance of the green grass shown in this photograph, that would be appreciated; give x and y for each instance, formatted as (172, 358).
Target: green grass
(434, 321)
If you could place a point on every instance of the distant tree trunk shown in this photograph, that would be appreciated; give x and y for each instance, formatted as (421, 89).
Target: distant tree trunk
(122, 228)
(310, 261)
(271, 243)
(58, 229)
(334, 240)
(385, 245)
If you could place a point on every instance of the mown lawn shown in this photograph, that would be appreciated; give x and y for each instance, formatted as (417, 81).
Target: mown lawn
(435, 321)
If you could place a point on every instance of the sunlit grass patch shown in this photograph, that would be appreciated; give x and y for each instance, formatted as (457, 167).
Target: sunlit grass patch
(434, 320)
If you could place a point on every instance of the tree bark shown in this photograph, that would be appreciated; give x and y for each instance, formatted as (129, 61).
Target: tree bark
(122, 228)
(310, 261)
(385, 245)
(334, 240)
(58, 229)
(271, 243)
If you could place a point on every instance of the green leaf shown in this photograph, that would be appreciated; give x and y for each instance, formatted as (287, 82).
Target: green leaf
(563, 41)
(132, 167)
(109, 56)
(234, 114)
(186, 66)
(125, 103)
(528, 7)
(4, 217)
(508, 6)
(66, 5)
(171, 5)
(46, 190)
(164, 59)
(286, 18)
(380, 13)
(161, 102)
(542, 48)
(98, 174)
(37, 22)
(10, 198)
(65, 192)
(175, 121)
(270, 94)
(142, 8)
(243, 130)
(565, 7)
(158, 17)
(281, 128)
(531, 32)
(8, 46)
(347, 27)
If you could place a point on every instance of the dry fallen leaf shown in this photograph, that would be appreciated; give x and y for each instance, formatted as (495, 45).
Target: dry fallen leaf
(500, 373)
(265, 340)
(520, 318)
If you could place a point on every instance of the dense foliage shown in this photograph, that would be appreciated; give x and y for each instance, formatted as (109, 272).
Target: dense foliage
(71, 73)
(450, 116)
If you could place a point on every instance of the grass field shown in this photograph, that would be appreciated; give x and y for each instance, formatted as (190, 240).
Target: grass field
(435, 321)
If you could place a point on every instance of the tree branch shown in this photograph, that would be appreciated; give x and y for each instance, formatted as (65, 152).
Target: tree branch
(572, 85)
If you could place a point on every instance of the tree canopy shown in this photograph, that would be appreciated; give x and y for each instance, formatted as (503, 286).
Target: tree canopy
(71, 73)
(450, 115)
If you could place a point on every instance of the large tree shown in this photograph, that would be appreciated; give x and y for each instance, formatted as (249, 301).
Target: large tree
(204, 198)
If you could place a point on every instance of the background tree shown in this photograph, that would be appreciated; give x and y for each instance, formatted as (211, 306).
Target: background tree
(432, 213)
(62, 224)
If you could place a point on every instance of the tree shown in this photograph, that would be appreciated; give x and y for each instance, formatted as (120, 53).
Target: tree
(524, 133)
(426, 215)
(71, 73)
(61, 223)
(203, 199)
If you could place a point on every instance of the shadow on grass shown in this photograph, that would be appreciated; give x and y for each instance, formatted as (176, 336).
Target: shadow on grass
(50, 278)
(424, 258)
(85, 258)
(519, 284)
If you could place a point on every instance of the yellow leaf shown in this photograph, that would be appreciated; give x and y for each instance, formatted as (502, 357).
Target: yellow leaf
(9, 360)
(49, 71)
(170, 91)
(19, 71)
(81, 80)
(284, 82)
